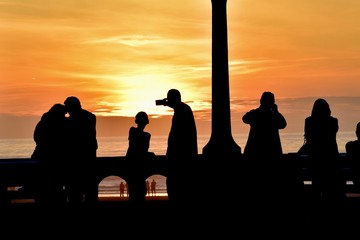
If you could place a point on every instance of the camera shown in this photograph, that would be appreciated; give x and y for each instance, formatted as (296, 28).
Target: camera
(161, 102)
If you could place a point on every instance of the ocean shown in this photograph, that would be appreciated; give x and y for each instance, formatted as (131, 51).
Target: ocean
(117, 146)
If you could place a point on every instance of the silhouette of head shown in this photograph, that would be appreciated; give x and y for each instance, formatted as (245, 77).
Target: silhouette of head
(72, 104)
(173, 97)
(141, 118)
(321, 108)
(358, 130)
(267, 99)
(58, 109)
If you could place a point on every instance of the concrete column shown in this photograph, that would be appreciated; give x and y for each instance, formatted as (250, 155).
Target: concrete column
(221, 145)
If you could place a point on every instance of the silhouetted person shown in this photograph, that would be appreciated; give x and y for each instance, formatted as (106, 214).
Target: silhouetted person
(81, 149)
(320, 133)
(49, 136)
(153, 187)
(138, 154)
(127, 189)
(181, 150)
(122, 189)
(263, 149)
(353, 153)
(147, 188)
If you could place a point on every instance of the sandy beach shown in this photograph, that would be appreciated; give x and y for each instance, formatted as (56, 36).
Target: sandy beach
(115, 199)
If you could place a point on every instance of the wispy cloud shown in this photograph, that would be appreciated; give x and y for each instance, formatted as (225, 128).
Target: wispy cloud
(130, 40)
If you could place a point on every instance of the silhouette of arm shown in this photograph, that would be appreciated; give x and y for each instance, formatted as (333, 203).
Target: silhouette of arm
(248, 118)
(280, 120)
(147, 141)
(308, 129)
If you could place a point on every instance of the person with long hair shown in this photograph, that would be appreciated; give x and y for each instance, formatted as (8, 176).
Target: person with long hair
(320, 133)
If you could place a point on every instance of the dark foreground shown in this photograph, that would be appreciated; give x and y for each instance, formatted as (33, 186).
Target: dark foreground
(157, 219)
(234, 215)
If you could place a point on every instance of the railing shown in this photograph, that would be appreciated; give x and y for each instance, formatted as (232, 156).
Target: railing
(23, 172)
(19, 176)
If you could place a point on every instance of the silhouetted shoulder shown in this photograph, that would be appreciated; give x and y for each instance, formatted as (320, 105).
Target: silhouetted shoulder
(352, 147)
(334, 119)
(248, 116)
(132, 130)
(147, 135)
(90, 113)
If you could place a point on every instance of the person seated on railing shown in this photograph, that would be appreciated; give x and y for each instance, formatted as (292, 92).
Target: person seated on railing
(353, 152)
(138, 154)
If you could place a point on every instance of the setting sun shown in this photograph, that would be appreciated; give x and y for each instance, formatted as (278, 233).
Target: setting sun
(118, 57)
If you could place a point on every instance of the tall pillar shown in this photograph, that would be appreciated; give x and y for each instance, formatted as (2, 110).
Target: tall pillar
(221, 146)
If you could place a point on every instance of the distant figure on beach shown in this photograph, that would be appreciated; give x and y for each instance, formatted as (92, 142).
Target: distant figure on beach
(122, 189)
(320, 133)
(353, 152)
(153, 187)
(263, 148)
(127, 189)
(49, 136)
(181, 149)
(81, 149)
(138, 154)
(147, 188)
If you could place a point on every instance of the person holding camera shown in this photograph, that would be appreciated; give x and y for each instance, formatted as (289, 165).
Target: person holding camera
(263, 149)
(182, 148)
(265, 121)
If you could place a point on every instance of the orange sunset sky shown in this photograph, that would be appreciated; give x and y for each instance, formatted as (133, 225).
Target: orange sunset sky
(119, 56)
